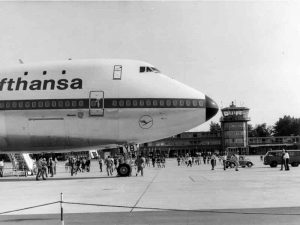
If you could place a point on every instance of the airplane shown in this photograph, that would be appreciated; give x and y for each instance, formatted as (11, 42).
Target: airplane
(77, 105)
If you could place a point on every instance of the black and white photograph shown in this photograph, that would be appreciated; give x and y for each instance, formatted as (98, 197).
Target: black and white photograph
(150, 112)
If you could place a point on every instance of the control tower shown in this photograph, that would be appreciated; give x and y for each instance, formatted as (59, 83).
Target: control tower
(234, 124)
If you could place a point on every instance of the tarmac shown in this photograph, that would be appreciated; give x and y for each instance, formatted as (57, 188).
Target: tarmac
(171, 195)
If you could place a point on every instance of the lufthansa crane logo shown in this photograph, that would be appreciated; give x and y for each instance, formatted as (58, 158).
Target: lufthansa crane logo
(146, 122)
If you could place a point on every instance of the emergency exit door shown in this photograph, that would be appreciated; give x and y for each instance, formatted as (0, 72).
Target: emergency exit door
(96, 102)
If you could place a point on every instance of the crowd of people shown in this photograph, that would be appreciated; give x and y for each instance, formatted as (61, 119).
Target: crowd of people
(208, 158)
(74, 165)
(45, 167)
(77, 164)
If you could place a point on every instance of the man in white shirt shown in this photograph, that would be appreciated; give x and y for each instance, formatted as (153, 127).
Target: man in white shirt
(286, 158)
(1, 167)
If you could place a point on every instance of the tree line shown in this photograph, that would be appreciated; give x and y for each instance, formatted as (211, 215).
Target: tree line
(285, 126)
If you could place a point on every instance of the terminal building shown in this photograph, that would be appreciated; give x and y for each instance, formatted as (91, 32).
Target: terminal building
(233, 135)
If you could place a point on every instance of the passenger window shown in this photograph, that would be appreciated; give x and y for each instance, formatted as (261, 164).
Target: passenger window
(162, 103)
(168, 103)
(181, 103)
(142, 103)
(128, 103)
(67, 104)
(148, 103)
(81, 103)
(121, 103)
(40, 104)
(2, 105)
(135, 103)
(155, 103)
(188, 102)
(114, 103)
(27, 105)
(60, 104)
(20, 105)
(14, 104)
(47, 104)
(33, 105)
(74, 104)
(195, 103)
(175, 102)
(53, 103)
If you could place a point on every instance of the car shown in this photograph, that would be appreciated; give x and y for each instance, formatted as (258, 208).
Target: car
(243, 162)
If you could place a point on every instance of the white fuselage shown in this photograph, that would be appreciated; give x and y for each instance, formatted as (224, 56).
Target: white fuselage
(83, 104)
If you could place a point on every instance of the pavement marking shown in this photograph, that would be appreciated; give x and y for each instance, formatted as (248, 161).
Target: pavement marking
(146, 189)
(205, 178)
(191, 179)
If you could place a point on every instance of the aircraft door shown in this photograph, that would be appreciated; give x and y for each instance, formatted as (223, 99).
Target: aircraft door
(96, 103)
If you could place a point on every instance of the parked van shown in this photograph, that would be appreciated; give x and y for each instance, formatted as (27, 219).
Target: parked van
(273, 157)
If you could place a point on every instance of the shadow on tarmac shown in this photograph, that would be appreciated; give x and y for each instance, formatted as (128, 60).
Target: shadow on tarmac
(32, 178)
(264, 216)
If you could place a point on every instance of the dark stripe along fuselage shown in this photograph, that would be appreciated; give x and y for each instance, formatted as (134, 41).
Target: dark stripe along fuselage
(86, 103)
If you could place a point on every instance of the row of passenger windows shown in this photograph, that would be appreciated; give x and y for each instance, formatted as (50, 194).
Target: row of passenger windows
(158, 103)
(135, 103)
(42, 104)
(45, 72)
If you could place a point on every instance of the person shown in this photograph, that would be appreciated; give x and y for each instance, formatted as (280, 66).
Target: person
(235, 158)
(163, 162)
(44, 166)
(158, 161)
(83, 164)
(109, 166)
(140, 163)
(40, 168)
(213, 161)
(50, 167)
(189, 161)
(224, 160)
(100, 163)
(147, 161)
(88, 165)
(55, 161)
(1, 167)
(115, 163)
(178, 160)
(78, 165)
(282, 159)
(153, 161)
(72, 165)
(286, 158)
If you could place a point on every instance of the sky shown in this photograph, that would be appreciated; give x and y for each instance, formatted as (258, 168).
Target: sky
(246, 52)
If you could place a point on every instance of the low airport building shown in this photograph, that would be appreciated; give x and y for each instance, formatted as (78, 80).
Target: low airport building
(232, 136)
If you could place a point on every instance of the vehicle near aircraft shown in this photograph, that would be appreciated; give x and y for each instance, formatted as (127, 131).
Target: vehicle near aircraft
(273, 158)
(79, 105)
(243, 162)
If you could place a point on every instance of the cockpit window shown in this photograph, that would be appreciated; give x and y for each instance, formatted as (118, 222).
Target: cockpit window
(155, 70)
(146, 69)
(142, 69)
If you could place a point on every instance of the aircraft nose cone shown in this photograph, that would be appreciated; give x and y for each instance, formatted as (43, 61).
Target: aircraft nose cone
(211, 107)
